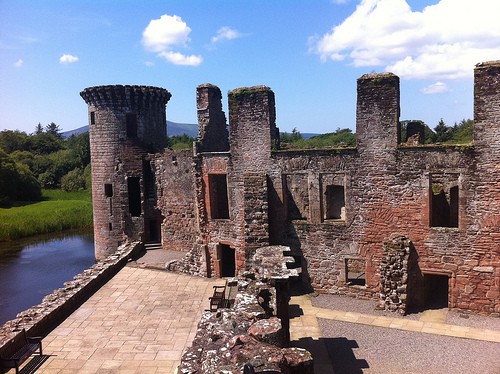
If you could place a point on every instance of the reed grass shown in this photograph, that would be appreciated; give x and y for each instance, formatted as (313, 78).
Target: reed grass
(58, 211)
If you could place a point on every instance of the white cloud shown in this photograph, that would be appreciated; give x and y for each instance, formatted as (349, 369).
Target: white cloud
(19, 63)
(68, 59)
(161, 35)
(435, 88)
(165, 32)
(225, 33)
(444, 41)
(180, 59)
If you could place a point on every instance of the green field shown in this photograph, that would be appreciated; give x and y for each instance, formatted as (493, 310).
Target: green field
(57, 211)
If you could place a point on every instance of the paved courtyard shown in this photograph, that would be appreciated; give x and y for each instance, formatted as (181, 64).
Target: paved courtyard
(139, 322)
(142, 320)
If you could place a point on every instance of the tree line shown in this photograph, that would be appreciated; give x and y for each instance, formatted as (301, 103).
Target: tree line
(459, 133)
(42, 159)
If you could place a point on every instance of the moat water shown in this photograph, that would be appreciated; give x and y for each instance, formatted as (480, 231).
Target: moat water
(32, 268)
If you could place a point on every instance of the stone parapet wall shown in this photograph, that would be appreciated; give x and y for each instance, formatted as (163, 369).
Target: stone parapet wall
(254, 329)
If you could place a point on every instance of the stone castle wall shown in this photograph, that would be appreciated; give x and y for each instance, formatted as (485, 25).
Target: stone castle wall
(125, 123)
(335, 209)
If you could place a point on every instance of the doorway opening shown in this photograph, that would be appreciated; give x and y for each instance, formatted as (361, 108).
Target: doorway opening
(436, 291)
(134, 196)
(227, 261)
(155, 230)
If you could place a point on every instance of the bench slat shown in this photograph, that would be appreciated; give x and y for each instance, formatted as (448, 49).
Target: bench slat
(29, 346)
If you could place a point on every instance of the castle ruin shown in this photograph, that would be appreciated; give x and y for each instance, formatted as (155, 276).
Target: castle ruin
(406, 224)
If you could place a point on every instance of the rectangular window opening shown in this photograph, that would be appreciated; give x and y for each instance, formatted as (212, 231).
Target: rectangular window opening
(355, 272)
(334, 202)
(92, 118)
(110, 226)
(131, 119)
(444, 201)
(217, 191)
(134, 196)
(108, 190)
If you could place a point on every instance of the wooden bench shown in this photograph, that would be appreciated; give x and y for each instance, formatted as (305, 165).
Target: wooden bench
(217, 300)
(23, 347)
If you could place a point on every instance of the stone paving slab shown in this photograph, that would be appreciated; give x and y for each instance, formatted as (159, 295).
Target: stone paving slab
(139, 322)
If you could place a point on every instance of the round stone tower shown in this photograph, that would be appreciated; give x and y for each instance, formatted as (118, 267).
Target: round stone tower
(125, 124)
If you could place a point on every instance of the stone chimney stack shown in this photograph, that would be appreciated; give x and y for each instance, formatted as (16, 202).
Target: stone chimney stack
(252, 132)
(377, 112)
(212, 127)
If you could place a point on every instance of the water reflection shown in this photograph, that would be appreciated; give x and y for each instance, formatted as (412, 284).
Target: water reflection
(32, 268)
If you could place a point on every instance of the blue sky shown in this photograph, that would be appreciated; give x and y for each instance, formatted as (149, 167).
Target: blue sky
(309, 52)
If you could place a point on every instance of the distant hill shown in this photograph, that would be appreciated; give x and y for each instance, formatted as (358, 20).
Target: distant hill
(174, 128)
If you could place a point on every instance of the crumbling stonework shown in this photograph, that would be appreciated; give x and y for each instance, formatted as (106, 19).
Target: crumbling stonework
(254, 329)
(335, 209)
(394, 269)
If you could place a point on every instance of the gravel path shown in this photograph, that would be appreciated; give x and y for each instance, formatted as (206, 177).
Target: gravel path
(356, 348)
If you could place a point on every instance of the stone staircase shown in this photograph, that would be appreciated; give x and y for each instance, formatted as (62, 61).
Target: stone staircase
(150, 246)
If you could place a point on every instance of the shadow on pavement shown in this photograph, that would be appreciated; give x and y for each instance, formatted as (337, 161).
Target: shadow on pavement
(333, 355)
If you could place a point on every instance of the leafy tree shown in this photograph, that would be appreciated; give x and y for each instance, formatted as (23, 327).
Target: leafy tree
(443, 132)
(53, 129)
(46, 143)
(38, 129)
(178, 142)
(16, 181)
(339, 138)
(430, 136)
(23, 157)
(290, 138)
(48, 179)
(464, 131)
(87, 174)
(74, 180)
(80, 147)
(50, 168)
(14, 140)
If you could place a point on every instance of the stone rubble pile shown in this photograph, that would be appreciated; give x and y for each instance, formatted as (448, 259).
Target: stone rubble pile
(254, 329)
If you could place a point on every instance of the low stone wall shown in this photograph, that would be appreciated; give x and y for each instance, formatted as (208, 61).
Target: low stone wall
(254, 329)
(39, 320)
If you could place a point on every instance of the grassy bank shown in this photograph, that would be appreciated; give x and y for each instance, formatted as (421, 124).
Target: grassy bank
(58, 211)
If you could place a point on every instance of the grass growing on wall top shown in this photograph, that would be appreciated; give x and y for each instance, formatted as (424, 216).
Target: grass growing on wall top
(57, 212)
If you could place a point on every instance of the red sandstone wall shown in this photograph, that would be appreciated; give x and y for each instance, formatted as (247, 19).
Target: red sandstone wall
(176, 199)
